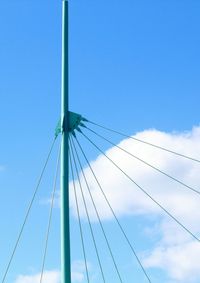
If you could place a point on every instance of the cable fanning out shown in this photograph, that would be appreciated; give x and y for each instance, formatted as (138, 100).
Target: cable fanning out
(50, 214)
(79, 219)
(87, 213)
(144, 191)
(28, 212)
(145, 142)
(116, 218)
(99, 219)
(145, 162)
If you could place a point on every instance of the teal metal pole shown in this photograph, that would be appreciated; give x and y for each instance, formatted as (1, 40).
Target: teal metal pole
(65, 227)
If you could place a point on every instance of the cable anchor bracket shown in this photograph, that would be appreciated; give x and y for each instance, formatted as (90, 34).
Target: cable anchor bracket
(75, 121)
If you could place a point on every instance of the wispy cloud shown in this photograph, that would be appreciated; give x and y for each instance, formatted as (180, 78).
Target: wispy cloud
(180, 261)
(78, 271)
(48, 201)
(54, 276)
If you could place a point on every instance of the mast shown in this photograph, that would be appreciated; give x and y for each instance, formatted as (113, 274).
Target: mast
(65, 229)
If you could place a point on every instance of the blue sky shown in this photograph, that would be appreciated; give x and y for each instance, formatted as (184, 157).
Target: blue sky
(134, 66)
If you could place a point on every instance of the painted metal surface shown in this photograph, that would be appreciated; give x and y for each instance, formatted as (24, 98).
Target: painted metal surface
(74, 120)
(65, 227)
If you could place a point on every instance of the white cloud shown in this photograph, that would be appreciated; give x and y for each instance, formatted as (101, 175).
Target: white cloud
(49, 277)
(48, 201)
(126, 198)
(176, 253)
(78, 270)
(181, 261)
(54, 276)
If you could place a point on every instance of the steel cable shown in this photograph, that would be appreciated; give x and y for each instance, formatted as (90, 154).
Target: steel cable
(50, 214)
(28, 212)
(145, 162)
(79, 219)
(116, 218)
(144, 191)
(99, 219)
(145, 142)
(87, 213)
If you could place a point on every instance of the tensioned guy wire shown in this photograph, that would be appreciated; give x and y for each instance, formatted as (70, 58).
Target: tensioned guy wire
(145, 162)
(87, 213)
(144, 191)
(145, 142)
(79, 219)
(116, 218)
(28, 212)
(50, 214)
(98, 216)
